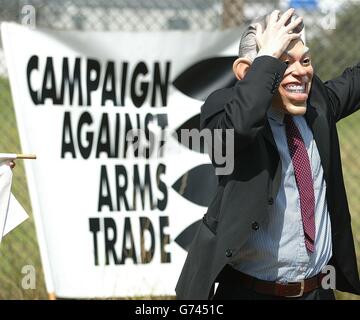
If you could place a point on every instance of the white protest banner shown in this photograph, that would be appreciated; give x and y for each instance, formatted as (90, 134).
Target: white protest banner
(114, 193)
(11, 212)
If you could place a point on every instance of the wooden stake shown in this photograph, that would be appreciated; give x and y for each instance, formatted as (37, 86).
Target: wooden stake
(51, 296)
(13, 156)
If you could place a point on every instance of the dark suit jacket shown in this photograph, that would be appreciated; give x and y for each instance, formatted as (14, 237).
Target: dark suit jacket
(242, 197)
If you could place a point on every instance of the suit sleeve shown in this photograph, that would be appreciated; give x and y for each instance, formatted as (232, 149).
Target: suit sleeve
(344, 92)
(243, 108)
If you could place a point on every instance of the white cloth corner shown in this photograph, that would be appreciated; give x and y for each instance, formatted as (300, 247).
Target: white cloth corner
(11, 211)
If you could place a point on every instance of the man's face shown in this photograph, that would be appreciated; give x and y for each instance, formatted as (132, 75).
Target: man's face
(295, 87)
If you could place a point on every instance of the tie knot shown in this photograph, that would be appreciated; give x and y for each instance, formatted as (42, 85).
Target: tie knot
(288, 119)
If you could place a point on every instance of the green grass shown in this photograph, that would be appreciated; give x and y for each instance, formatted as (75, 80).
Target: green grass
(20, 248)
(349, 133)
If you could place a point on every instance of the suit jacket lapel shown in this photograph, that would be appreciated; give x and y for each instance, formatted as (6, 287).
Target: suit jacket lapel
(268, 134)
(275, 165)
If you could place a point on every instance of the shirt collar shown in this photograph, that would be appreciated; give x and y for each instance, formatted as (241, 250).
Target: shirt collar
(276, 115)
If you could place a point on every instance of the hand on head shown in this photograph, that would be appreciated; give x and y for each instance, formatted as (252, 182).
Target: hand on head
(281, 38)
(278, 34)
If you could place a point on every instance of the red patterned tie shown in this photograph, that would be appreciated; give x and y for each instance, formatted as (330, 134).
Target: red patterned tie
(304, 181)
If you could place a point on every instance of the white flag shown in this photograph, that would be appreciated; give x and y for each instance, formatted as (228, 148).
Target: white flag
(11, 212)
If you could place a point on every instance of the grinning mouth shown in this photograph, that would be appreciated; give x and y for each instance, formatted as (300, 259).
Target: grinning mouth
(296, 88)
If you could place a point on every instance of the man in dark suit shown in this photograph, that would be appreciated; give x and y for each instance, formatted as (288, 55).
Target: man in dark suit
(281, 216)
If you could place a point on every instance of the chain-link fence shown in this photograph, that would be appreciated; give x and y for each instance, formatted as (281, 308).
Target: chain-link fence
(333, 35)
